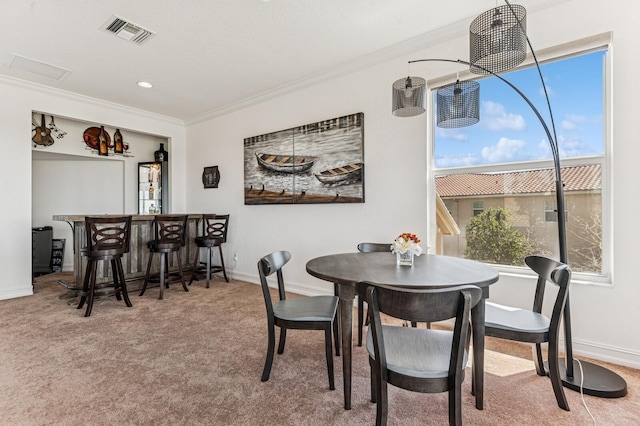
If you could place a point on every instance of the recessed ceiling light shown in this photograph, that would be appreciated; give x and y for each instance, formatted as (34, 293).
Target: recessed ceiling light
(145, 84)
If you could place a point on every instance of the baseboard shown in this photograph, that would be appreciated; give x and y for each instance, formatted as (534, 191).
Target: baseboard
(12, 293)
(606, 353)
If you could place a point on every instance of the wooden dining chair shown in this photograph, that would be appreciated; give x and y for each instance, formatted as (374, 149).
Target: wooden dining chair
(418, 359)
(532, 326)
(367, 248)
(302, 313)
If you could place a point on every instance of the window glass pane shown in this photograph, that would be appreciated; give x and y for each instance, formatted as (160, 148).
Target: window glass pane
(503, 160)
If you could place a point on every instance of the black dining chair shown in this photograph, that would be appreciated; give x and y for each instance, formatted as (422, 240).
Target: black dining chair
(169, 237)
(214, 234)
(367, 248)
(302, 313)
(108, 239)
(532, 326)
(417, 359)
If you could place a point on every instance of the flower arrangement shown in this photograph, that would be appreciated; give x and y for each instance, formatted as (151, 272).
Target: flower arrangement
(407, 243)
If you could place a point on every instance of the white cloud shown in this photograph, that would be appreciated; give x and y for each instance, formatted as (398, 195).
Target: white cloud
(463, 160)
(505, 150)
(571, 121)
(451, 134)
(494, 117)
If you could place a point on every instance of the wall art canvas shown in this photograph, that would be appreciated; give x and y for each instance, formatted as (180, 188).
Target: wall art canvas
(316, 163)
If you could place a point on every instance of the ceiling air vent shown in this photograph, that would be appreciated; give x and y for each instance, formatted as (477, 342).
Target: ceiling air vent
(127, 30)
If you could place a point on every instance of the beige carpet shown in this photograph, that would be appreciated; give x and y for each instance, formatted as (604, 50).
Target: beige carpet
(196, 359)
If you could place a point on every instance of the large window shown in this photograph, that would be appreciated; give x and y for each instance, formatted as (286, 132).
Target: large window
(504, 164)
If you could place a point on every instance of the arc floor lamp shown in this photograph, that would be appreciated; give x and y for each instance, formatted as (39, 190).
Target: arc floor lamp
(498, 42)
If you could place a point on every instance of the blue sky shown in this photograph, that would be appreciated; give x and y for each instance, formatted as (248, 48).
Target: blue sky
(509, 131)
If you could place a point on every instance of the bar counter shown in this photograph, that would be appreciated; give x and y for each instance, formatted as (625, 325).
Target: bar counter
(134, 263)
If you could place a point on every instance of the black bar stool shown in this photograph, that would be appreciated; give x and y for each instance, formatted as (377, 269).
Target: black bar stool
(170, 232)
(214, 234)
(107, 239)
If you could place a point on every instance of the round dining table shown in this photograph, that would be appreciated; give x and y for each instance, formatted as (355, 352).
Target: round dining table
(345, 270)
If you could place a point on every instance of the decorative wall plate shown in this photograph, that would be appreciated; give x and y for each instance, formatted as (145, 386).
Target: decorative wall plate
(90, 137)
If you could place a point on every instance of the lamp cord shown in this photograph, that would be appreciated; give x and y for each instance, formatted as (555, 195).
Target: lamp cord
(582, 393)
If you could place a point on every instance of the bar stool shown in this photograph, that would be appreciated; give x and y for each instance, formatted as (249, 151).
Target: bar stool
(169, 232)
(214, 234)
(107, 239)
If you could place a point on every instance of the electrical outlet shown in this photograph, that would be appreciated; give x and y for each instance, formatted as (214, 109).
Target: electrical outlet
(235, 256)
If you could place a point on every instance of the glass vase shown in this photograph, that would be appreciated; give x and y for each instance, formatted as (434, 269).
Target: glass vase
(404, 259)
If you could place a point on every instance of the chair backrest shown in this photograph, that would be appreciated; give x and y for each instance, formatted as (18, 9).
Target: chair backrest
(428, 305)
(170, 229)
(268, 265)
(372, 247)
(107, 235)
(557, 273)
(214, 226)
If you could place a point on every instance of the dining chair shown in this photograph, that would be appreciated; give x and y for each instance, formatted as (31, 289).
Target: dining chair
(301, 313)
(108, 239)
(532, 326)
(418, 359)
(169, 237)
(214, 234)
(367, 248)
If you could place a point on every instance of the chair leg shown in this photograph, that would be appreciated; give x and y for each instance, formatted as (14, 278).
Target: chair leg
(116, 277)
(146, 276)
(184, 284)
(162, 280)
(224, 270)
(554, 375)
(123, 284)
(373, 380)
(208, 265)
(92, 288)
(195, 266)
(538, 360)
(336, 335)
(329, 354)
(270, 347)
(360, 319)
(283, 337)
(85, 285)
(382, 404)
(455, 406)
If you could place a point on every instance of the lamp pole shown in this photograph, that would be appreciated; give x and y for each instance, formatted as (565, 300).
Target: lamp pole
(593, 379)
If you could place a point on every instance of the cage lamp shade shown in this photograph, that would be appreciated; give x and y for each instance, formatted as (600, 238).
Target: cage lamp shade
(458, 105)
(408, 97)
(498, 39)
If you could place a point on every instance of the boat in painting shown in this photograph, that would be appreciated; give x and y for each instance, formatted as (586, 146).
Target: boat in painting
(343, 175)
(286, 163)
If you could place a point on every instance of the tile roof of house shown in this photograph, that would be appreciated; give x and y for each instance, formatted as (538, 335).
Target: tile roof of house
(578, 178)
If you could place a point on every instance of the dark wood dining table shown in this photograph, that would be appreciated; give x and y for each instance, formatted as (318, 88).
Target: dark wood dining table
(345, 270)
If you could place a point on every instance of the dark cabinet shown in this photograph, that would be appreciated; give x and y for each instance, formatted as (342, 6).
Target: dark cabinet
(153, 188)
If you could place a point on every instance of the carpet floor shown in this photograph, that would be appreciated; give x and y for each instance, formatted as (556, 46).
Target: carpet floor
(196, 358)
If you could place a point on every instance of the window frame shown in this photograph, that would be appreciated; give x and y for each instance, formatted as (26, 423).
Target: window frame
(563, 51)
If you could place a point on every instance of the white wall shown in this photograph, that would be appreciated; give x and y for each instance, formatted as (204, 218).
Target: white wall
(396, 170)
(18, 101)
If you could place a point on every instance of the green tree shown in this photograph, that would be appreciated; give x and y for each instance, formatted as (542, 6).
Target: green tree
(492, 238)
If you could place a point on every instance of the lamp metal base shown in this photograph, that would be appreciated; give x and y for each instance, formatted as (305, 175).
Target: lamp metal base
(598, 381)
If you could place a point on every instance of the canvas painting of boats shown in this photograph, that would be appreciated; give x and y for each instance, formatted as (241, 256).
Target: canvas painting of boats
(316, 163)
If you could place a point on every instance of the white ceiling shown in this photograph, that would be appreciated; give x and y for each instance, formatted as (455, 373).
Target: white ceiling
(210, 56)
